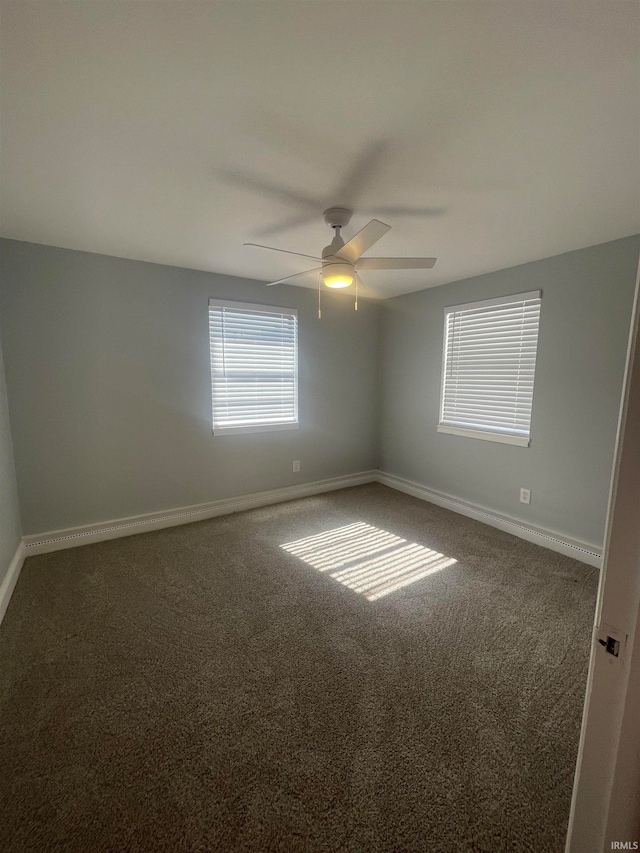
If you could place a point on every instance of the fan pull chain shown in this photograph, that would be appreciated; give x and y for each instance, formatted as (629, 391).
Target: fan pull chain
(319, 297)
(356, 305)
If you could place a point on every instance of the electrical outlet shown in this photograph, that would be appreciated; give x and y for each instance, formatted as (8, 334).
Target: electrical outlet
(296, 466)
(525, 496)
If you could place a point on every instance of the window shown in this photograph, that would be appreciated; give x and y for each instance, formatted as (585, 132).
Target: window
(254, 367)
(488, 368)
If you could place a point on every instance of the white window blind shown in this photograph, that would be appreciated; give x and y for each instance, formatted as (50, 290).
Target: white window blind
(489, 367)
(254, 366)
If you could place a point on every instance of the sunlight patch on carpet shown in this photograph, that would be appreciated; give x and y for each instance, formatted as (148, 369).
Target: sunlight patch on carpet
(368, 560)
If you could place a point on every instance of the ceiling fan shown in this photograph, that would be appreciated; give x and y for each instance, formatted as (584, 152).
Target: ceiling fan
(341, 262)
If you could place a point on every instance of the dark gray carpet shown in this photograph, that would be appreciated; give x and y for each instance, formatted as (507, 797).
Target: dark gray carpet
(202, 689)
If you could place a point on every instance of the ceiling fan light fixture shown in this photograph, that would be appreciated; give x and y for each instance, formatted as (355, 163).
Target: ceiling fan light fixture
(338, 275)
(339, 259)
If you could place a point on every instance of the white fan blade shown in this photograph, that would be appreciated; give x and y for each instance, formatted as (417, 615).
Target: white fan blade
(295, 275)
(286, 251)
(363, 240)
(395, 263)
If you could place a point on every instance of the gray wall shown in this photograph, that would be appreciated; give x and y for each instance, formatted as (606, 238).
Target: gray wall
(110, 388)
(10, 530)
(108, 380)
(586, 312)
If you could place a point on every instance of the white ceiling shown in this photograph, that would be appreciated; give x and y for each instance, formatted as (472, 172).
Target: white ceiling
(174, 131)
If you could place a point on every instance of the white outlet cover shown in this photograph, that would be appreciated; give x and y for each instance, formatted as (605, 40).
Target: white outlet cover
(525, 496)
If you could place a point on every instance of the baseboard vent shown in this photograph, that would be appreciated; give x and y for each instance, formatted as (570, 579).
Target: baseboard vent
(73, 537)
(579, 550)
(459, 506)
(145, 523)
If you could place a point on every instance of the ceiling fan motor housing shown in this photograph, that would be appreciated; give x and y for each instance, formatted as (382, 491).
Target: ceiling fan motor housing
(334, 246)
(336, 217)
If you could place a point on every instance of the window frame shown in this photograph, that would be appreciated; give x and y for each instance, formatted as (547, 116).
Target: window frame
(485, 434)
(258, 309)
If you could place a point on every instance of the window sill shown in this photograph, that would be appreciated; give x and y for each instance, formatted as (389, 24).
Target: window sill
(254, 428)
(518, 440)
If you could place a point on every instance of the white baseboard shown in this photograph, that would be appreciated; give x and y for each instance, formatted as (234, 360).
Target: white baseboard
(583, 551)
(72, 537)
(11, 579)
